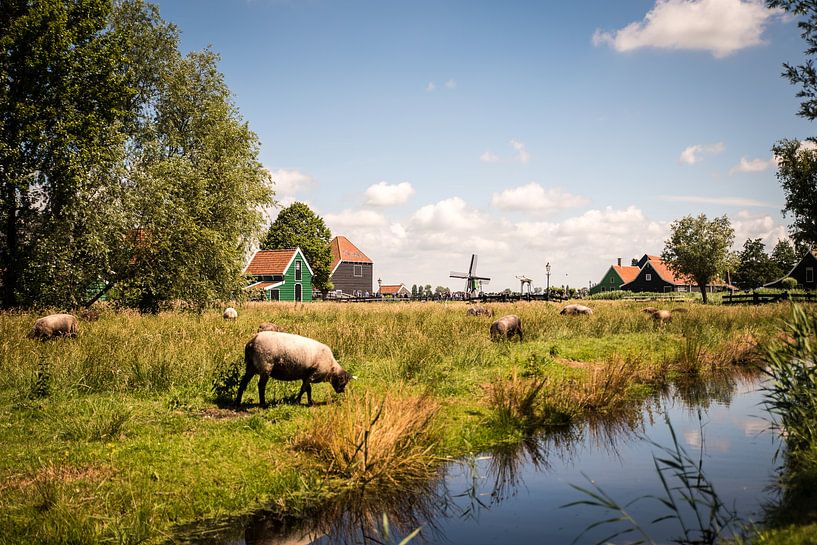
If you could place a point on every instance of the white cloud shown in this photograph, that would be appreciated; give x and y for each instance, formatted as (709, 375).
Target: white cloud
(289, 182)
(451, 84)
(385, 194)
(489, 157)
(752, 165)
(431, 87)
(522, 154)
(763, 226)
(350, 219)
(724, 201)
(533, 197)
(721, 27)
(448, 214)
(692, 154)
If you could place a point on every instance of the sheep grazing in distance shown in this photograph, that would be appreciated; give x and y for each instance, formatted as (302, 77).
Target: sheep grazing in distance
(230, 313)
(269, 326)
(480, 311)
(572, 310)
(506, 327)
(55, 325)
(284, 356)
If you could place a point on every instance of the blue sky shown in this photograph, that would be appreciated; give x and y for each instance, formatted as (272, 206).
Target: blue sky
(526, 132)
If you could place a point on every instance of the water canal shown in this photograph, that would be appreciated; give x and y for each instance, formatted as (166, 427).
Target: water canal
(516, 494)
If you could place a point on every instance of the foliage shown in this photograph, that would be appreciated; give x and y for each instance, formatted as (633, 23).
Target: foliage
(805, 74)
(797, 173)
(298, 226)
(133, 169)
(63, 105)
(698, 248)
(789, 283)
(227, 379)
(755, 267)
(784, 256)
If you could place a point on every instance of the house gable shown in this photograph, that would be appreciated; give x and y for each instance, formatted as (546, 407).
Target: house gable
(805, 272)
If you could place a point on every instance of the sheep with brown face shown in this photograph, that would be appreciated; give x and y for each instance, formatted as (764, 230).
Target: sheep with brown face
(269, 326)
(480, 311)
(230, 313)
(506, 327)
(573, 310)
(55, 325)
(284, 356)
(649, 310)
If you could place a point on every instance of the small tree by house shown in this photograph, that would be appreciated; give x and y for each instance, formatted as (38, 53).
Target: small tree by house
(784, 256)
(698, 248)
(755, 267)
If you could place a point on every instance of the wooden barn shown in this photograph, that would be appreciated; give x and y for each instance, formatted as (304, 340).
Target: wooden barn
(655, 276)
(615, 277)
(803, 272)
(280, 275)
(351, 268)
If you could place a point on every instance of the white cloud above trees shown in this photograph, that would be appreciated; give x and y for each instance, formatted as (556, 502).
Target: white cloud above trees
(534, 197)
(694, 154)
(386, 194)
(721, 27)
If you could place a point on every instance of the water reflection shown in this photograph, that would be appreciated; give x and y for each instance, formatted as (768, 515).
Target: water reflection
(513, 492)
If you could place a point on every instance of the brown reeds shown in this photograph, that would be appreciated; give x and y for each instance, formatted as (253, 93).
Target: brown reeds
(370, 439)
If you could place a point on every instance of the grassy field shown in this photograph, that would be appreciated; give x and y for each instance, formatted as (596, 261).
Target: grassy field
(119, 435)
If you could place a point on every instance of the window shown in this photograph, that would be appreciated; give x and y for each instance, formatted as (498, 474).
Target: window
(357, 270)
(648, 277)
(810, 274)
(297, 270)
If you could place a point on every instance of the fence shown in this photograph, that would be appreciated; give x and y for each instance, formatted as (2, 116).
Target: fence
(761, 298)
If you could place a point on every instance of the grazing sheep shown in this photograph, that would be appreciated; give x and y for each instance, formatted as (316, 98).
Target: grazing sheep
(284, 356)
(571, 310)
(269, 326)
(480, 311)
(230, 313)
(649, 310)
(662, 316)
(506, 327)
(54, 325)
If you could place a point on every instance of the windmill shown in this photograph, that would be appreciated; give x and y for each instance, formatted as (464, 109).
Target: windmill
(473, 283)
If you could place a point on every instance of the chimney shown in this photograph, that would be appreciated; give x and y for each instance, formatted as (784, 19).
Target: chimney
(619, 262)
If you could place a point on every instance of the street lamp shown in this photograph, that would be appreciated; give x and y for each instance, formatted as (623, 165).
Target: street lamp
(547, 270)
(567, 289)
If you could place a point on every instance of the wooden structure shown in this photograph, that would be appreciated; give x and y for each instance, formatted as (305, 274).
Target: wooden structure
(280, 275)
(473, 283)
(524, 281)
(655, 276)
(761, 298)
(393, 290)
(351, 269)
(615, 277)
(803, 273)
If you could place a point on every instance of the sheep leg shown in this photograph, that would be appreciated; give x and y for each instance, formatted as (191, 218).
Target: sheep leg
(262, 389)
(305, 387)
(243, 386)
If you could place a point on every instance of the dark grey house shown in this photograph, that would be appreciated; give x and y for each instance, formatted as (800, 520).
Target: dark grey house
(351, 268)
(803, 272)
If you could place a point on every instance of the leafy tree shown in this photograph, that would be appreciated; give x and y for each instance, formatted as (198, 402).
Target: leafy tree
(756, 267)
(784, 256)
(804, 75)
(427, 290)
(63, 108)
(414, 290)
(698, 248)
(298, 225)
(797, 172)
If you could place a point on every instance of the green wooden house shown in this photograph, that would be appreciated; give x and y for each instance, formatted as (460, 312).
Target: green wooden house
(615, 276)
(279, 275)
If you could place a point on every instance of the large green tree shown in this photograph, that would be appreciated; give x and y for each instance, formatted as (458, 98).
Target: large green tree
(698, 248)
(784, 256)
(64, 107)
(755, 266)
(298, 226)
(797, 172)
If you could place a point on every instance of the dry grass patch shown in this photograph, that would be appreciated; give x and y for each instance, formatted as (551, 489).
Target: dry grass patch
(375, 439)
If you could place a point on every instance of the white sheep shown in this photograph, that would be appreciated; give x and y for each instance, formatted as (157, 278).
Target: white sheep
(571, 310)
(230, 313)
(55, 325)
(284, 356)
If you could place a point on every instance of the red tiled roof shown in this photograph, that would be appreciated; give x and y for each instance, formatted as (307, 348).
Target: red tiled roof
(269, 261)
(344, 250)
(667, 274)
(391, 289)
(626, 273)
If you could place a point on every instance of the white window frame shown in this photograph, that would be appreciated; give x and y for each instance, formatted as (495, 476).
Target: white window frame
(648, 277)
(298, 273)
(355, 269)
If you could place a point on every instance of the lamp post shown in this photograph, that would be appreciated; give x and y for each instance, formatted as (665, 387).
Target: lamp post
(567, 289)
(547, 270)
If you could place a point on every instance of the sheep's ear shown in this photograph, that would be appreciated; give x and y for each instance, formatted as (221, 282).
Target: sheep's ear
(354, 377)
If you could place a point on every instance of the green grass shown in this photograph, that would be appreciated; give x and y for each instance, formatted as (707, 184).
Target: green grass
(119, 435)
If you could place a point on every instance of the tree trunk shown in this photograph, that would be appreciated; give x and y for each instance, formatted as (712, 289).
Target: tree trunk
(703, 290)
(11, 258)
